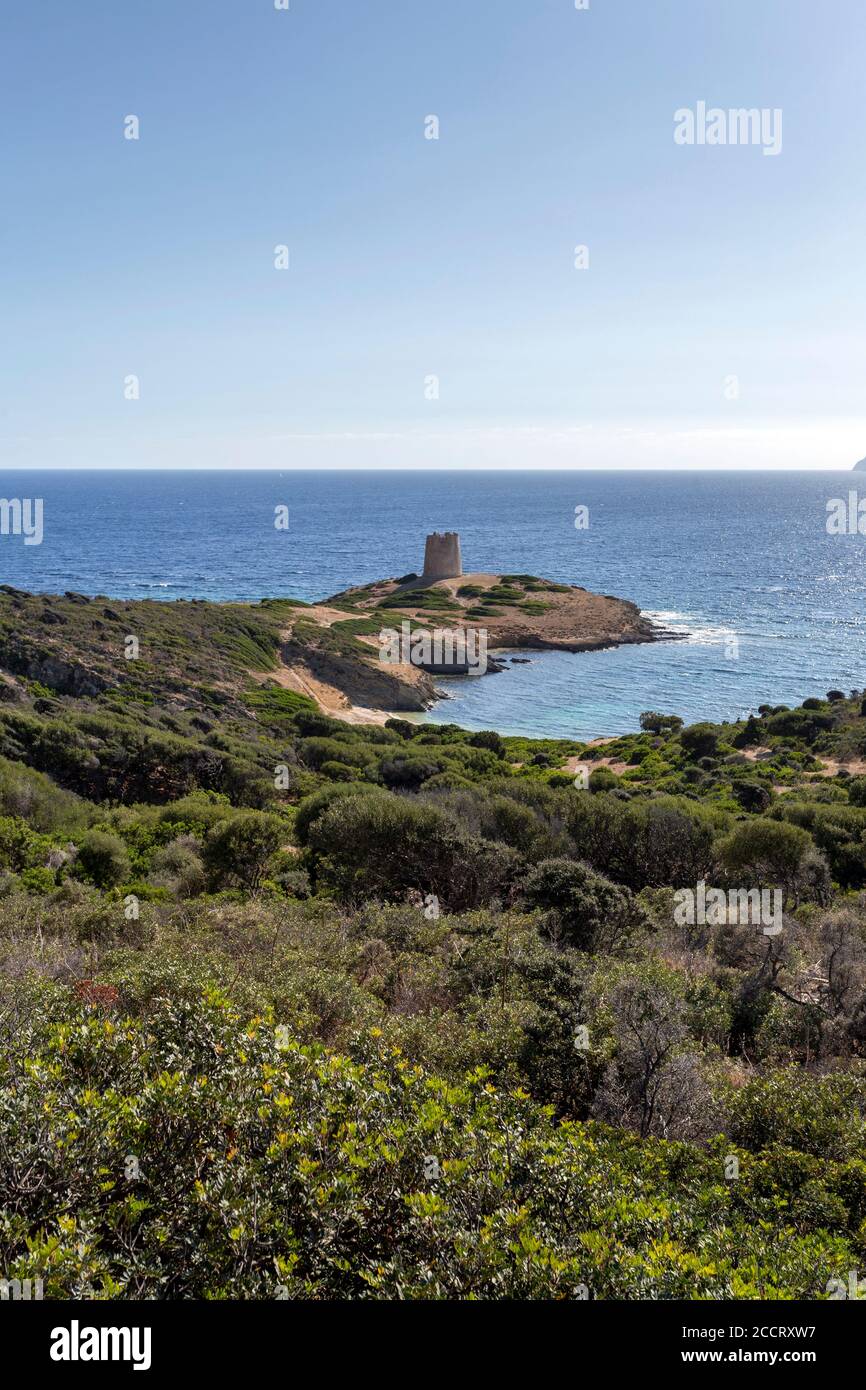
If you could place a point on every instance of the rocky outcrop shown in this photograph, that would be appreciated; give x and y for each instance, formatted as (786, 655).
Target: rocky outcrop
(64, 677)
(364, 683)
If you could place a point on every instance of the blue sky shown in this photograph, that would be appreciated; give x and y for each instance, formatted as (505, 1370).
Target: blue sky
(412, 258)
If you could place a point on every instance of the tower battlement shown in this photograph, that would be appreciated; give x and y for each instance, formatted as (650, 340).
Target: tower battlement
(442, 556)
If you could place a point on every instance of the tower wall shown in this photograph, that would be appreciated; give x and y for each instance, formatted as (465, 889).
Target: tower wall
(442, 556)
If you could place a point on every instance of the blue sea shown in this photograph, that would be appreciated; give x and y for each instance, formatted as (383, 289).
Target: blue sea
(772, 607)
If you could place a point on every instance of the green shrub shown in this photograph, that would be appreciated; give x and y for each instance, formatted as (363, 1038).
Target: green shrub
(752, 796)
(383, 847)
(584, 910)
(313, 806)
(490, 739)
(767, 852)
(601, 779)
(239, 848)
(103, 858)
(408, 771)
(656, 723)
(820, 1115)
(38, 881)
(262, 1168)
(316, 751)
(700, 740)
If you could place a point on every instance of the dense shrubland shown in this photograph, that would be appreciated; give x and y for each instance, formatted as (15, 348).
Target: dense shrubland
(297, 1008)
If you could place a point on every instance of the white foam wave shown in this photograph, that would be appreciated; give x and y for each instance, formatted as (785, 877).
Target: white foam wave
(694, 630)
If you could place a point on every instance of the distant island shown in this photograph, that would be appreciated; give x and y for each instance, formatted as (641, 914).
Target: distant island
(859, 467)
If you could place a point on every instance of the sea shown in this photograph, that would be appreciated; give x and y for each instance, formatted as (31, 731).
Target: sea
(770, 606)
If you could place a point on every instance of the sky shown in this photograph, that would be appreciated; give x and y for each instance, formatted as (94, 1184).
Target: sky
(432, 313)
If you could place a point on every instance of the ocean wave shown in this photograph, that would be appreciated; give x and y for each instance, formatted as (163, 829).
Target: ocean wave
(695, 630)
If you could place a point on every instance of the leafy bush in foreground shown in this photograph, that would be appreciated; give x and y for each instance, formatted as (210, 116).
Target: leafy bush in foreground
(192, 1155)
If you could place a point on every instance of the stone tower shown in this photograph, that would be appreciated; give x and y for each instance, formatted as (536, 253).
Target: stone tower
(442, 556)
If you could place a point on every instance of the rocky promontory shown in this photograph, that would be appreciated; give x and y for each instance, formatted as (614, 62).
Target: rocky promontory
(331, 651)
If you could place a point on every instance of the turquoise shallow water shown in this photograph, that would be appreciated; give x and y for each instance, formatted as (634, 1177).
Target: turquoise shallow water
(714, 554)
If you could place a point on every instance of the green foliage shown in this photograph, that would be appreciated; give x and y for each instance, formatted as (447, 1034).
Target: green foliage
(823, 1116)
(277, 707)
(103, 859)
(239, 848)
(433, 914)
(700, 740)
(179, 867)
(313, 806)
(34, 797)
(534, 608)
(584, 909)
(377, 847)
(837, 831)
(489, 738)
(803, 724)
(316, 751)
(433, 599)
(38, 880)
(601, 779)
(409, 771)
(768, 851)
(661, 842)
(264, 1168)
(504, 593)
(656, 723)
(752, 796)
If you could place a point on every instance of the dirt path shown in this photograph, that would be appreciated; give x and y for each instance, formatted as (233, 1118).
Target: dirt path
(572, 764)
(329, 699)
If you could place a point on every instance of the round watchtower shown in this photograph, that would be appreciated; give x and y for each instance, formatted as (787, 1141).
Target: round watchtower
(442, 556)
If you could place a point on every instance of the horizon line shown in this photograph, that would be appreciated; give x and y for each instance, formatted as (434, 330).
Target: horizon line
(445, 468)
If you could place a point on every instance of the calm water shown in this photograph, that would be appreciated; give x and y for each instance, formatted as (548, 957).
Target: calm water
(716, 555)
